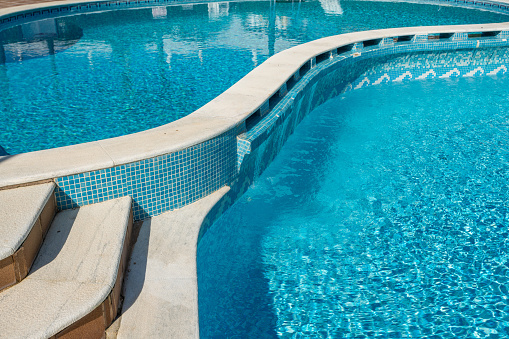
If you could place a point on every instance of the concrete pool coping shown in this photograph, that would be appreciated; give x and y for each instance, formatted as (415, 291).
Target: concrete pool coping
(229, 109)
(161, 288)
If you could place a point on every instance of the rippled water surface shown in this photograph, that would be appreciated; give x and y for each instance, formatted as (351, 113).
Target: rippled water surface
(385, 215)
(70, 80)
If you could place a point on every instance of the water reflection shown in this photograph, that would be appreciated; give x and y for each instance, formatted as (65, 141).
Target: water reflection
(259, 33)
(159, 13)
(331, 7)
(218, 9)
(37, 39)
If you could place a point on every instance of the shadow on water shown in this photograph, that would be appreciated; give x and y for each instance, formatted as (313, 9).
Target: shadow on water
(3, 153)
(234, 296)
(39, 39)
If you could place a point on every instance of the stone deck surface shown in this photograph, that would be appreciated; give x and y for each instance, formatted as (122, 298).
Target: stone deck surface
(12, 3)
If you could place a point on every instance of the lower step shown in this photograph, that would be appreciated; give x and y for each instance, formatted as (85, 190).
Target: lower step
(73, 288)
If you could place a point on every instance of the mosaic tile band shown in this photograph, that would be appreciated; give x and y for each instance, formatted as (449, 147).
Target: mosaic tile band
(65, 10)
(158, 184)
(473, 63)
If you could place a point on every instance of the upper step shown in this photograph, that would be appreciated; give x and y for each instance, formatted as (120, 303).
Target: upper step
(74, 285)
(25, 216)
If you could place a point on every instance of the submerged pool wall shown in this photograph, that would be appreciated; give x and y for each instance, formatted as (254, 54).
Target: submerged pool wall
(261, 144)
(231, 140)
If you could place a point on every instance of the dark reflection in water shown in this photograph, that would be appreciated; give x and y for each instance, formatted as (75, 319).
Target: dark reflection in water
(37, 39)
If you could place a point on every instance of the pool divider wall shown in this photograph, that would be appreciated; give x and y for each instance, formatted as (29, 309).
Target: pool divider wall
(157, 184)
(342, 73)
(335, 78)
(232, 139)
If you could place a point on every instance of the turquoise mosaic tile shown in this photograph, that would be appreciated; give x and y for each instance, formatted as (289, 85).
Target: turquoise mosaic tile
(158, 184)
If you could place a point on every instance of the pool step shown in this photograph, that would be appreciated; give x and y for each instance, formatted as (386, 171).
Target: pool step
(25, 216)
(73, 288)
(161, 288)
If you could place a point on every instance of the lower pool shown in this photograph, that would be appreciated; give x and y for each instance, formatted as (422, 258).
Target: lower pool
(385, 215)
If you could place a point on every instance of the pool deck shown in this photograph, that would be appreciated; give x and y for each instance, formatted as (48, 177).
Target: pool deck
(161, 288)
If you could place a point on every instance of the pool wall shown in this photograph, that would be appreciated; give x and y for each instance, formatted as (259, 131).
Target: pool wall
(172, 181)
(231, 140)
(261, 144)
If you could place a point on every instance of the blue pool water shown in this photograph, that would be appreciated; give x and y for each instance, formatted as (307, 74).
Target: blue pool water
(385, 215)
(88, 77)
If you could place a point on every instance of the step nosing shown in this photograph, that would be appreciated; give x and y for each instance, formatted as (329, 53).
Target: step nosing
(20, 209)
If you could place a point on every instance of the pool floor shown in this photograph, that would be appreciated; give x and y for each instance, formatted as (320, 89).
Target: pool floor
(385, 215)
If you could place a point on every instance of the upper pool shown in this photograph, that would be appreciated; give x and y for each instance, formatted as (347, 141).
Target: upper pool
(93, 76)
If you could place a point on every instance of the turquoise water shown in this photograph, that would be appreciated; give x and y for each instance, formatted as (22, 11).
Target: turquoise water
(385, 215)
(88, 77)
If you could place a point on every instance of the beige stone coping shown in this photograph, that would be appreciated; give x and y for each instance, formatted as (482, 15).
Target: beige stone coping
(20, 209)
(226, 111)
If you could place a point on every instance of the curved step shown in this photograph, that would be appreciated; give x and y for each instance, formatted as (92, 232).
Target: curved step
(161, 288)
(73, 288)
(25, 216)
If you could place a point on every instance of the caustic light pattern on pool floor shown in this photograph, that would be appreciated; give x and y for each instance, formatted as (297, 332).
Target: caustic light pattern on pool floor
(385, 216)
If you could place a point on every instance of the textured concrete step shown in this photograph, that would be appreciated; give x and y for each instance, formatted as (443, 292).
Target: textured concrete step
(161, 288)
(73, 288)
(25, 216)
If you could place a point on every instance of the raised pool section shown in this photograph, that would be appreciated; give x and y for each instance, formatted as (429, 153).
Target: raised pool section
(173, 165)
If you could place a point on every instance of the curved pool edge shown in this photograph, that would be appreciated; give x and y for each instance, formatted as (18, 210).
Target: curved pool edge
(228, 110)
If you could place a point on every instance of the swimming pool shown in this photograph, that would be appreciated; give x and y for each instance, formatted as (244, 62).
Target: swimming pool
(384, 215)
(233, 138)
(75, 79)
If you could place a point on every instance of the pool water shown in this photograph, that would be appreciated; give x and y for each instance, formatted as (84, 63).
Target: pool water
(93, 76)
(385, 215)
